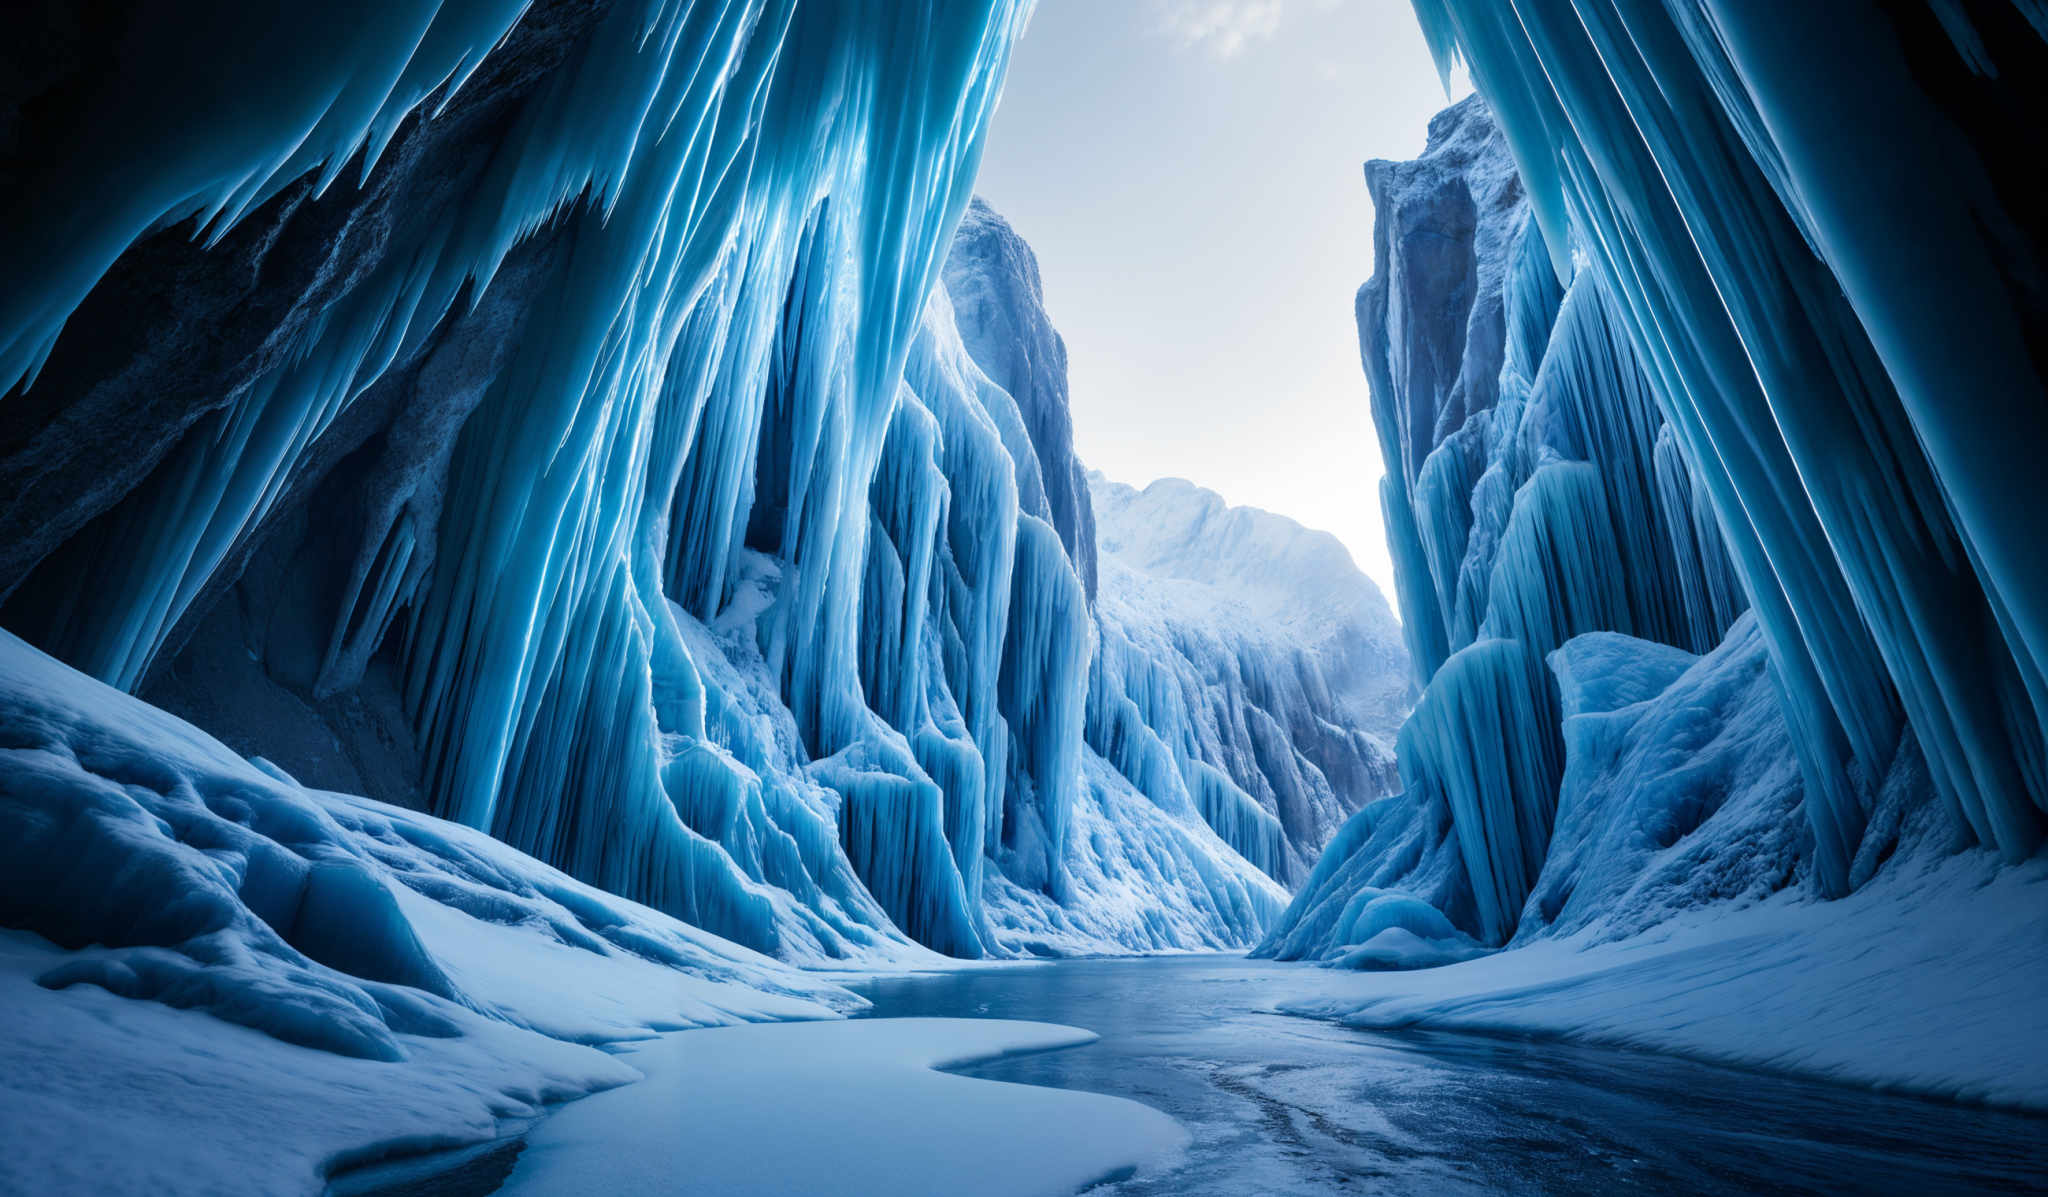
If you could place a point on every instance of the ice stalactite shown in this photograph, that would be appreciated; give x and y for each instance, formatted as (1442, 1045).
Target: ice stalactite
(1708, 586)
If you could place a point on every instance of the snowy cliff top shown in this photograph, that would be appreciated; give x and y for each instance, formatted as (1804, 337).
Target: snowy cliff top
(1241, 562)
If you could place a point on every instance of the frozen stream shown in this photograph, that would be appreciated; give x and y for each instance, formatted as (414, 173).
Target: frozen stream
(1282, 1105)
(1273, 1104)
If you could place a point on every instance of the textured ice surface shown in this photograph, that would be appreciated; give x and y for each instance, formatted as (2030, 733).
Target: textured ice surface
(1267, 666)
(1141, 878)
(1821, 291)
(1702, 642)
(1527, 503)
(1669, 913)
(856, 1108)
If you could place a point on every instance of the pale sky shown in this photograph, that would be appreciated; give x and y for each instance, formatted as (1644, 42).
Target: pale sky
(1189, 173)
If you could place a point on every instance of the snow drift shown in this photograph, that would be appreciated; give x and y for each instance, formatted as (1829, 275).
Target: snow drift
(337, 977)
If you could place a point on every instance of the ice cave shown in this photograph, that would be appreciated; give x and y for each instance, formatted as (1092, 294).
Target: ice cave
(572, 622)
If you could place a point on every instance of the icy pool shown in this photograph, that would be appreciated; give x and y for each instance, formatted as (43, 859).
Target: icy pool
(1282, 1105)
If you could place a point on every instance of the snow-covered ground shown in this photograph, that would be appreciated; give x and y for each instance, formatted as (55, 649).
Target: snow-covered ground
(238, 985)
(107, 1095)
(228, 983)
(850, 1108)
(1929, 980)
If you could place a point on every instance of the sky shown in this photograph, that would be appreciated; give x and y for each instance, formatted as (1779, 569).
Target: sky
(1189, 173)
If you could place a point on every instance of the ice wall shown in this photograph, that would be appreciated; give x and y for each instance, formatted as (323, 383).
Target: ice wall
(1245, 659)
(1625, 398)
(554, 416)
(1526, 497)
(999, 306)
(1833, 299)
(721, 208)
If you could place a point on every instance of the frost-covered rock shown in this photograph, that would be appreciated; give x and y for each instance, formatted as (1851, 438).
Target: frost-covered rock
(1270, 668)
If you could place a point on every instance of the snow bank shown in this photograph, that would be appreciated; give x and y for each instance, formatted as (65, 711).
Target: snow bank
(105, 1095)
(209, 955)
(1672, 913)
(1928, 981)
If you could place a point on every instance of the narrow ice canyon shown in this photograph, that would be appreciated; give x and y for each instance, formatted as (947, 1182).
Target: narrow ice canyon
(562, 629)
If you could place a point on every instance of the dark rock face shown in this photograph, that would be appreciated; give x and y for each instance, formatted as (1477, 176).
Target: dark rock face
(177, 331)
(999, 305)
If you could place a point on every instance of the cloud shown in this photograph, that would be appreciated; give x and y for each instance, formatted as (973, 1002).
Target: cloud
(1223, 28)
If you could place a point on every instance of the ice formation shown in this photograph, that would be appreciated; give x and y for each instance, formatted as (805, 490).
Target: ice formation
(1634, 411)
(1256, 655)
(587, 424)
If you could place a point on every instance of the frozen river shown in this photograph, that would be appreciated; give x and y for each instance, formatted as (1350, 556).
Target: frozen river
(1279, 1105)
(1282, 1105)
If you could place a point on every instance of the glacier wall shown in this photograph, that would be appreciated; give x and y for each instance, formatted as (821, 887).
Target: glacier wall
(717, 203)
(1254, 654)
(1526, 499)
(1674, 144)
(1632, 415)
(585, 422)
